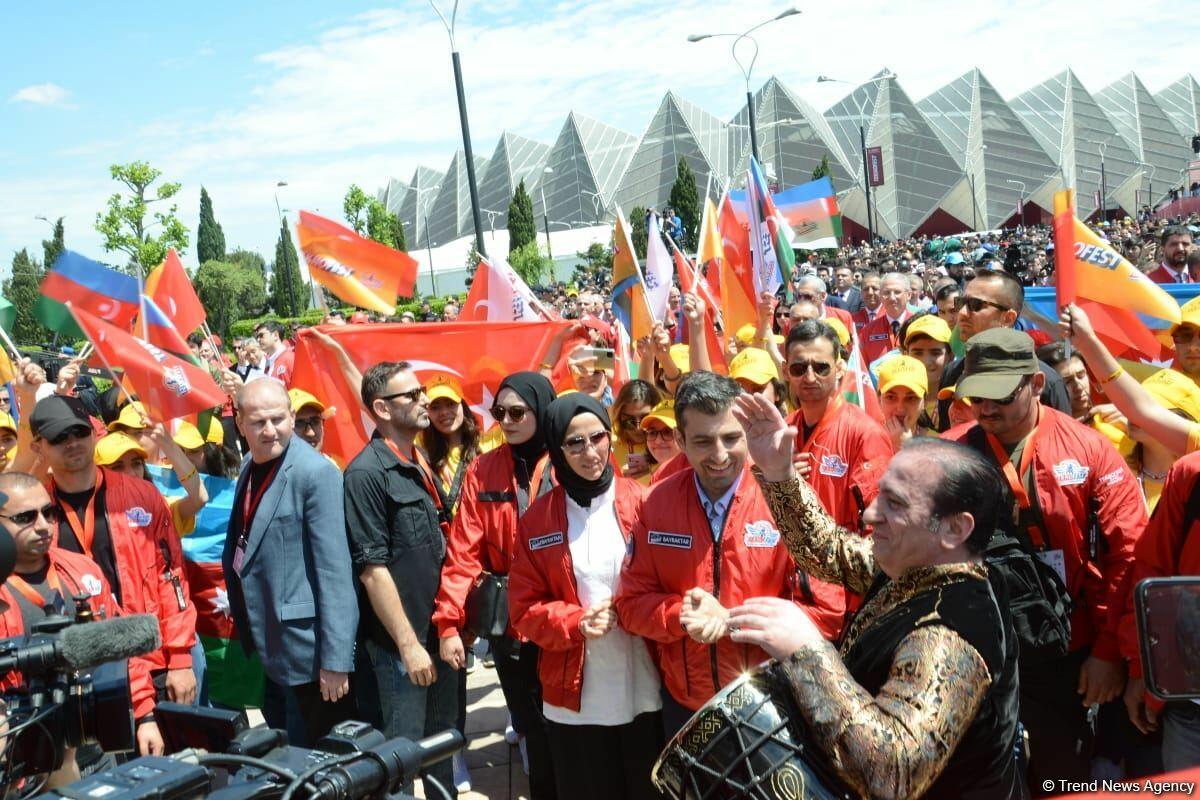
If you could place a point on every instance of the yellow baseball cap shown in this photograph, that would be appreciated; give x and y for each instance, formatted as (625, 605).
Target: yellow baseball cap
(903, 371)
(302, 399)
(188, 436)
(133, 416)
(1174, 390)
(753, 365)
(7, 423)
(111, 447)
(664, 412)
(949, 394)
(839, 328)
(930, 325)
(681, 357)
(442, 387)
(1189, 314)
(745, 334)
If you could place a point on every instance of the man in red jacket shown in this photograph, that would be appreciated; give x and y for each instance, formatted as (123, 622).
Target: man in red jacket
(705, 542)
(123, 524)
(883, 332)
(840, 450)
(1175, 243)
(45, 575)
(1079, 507)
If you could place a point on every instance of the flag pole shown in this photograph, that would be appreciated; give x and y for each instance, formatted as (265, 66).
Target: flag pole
(8, 342)
(103, 360)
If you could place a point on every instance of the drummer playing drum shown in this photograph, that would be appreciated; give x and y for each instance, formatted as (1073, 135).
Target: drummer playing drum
(921, 700)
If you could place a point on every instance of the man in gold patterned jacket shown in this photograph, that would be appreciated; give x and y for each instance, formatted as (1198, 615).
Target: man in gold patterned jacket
(920, 699)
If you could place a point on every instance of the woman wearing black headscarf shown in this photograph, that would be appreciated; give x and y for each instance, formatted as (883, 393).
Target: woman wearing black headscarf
(600, 689)
(499, 486)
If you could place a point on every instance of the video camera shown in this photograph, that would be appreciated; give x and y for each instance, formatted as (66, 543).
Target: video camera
(217, 755)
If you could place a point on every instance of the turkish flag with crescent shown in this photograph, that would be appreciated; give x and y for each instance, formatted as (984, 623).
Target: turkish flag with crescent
(477, 355)
(171, 290)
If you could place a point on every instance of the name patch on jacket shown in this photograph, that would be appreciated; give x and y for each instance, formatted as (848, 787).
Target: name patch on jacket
(680, 541)
(834, 466)
(138, 517)
(1070, 472)
(760, 534)
(878, 337)
(542, 542)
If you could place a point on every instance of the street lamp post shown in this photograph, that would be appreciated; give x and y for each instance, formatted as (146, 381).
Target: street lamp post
(546, 217)
(747, 68)
(1101, 146)
(287, 262)
(1020, 200)
(862, 139)
(1149, 188)
(466, 128)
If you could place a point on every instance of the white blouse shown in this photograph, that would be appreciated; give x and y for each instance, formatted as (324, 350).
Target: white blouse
(619, 679)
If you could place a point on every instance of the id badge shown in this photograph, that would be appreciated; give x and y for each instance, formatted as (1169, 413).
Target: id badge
(1055, 561)
(239, 555)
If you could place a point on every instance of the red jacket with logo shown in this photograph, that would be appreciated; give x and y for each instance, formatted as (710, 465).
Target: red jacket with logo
(79, 575)
(862, 318)
(144, 541)
(876, 337)
(1170, 547)
(849, 452)
(673, 552)
(543, 599)
(1072, 464)
(482, 535)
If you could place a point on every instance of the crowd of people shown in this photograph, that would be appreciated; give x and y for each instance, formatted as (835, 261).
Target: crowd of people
(627, 547)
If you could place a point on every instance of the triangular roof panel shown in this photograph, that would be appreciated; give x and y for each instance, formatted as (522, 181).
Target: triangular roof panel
(416, 205)
(515, 159)
(586, 163)
(392, 195)
(1148, 131)
(1181, 100)
(450, 216)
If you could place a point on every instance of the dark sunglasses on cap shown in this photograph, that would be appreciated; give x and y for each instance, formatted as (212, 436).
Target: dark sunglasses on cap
(1004, 401)
(75, 432)
(798, 369)
(515, 413)
(24, 518)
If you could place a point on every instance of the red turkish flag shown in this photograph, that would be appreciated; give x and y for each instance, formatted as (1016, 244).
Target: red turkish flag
(689, 284)
(171, 290)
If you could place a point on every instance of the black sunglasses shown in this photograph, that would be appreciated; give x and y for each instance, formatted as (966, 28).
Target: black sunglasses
(578, 444)
(631, 423)
(515, 413)
(798, 369)
(309, 423)
(977, 304)
(412, 395)
(76, 432)
(1006, 401)
(24, 518)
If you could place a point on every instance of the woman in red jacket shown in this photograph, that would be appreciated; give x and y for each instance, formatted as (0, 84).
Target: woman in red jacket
(600, 689)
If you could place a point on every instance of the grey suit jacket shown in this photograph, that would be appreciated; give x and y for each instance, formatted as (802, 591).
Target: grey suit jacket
(295, 601)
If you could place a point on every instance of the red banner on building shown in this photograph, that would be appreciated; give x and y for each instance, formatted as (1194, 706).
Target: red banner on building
(875, 166)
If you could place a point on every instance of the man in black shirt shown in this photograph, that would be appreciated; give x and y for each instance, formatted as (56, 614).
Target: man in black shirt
(394, 521)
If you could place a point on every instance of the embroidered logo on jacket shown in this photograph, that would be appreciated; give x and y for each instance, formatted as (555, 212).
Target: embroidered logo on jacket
(138, 517)
(681, 541)
(92, 584)
(1070, 472)
(834, 466)
(542, 542)
(1113, 478)
(760, 534)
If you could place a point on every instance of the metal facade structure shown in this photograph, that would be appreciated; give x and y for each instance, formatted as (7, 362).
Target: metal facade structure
(956, 159)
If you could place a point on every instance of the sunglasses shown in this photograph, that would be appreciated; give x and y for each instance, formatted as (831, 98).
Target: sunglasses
(309, 423)
(514, 413)
(577, 445)
(659, 433)
(977, 304)
(26, 518)
(412, 395)
(798, 369)
(631, 423)
(1006, 401)
(70, 434)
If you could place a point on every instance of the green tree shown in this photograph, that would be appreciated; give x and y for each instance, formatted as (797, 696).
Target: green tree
(686, 202)
(529, 263)
(52, 248)
(230, 291)
(21, 289)
(521, 226)
(288, 292)
(473, 259)
(210, 238)
(822, 169)
(384, 227)
(124, 224)
(247, 258)
(595, 265)
(637, 232)
(354, 208)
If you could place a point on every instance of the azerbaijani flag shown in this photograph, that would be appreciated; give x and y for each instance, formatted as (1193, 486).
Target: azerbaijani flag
(89, 286)
(770, 236)
(629, 302)
(360, 271)
(235, 679)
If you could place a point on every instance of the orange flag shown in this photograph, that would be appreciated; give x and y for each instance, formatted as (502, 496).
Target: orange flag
(169, 287)
(1064, 247)
(361, 272)
(737, 271)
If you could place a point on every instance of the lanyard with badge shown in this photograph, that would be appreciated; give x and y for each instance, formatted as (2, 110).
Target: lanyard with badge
(85, 532)
(33, 595)
(249, 509)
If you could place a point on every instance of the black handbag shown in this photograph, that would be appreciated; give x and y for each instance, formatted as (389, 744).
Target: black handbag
(487, 606)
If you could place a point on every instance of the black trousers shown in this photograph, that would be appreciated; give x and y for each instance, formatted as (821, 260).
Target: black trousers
(1061, 740)
(674, 715)
(606, 762)
(516, 666)
(301, 712)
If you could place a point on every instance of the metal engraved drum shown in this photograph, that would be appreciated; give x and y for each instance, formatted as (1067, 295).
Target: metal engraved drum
(748, 741)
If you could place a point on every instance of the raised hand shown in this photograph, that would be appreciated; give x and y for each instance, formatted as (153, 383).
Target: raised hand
(770, 439)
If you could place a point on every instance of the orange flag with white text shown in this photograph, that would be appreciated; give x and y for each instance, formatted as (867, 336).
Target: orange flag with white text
(360, 271)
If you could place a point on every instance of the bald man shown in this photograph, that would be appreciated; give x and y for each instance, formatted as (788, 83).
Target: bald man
(812, 289)
(287, 558)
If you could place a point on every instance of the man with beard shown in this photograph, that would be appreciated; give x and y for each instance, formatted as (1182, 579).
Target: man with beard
(1175, 244)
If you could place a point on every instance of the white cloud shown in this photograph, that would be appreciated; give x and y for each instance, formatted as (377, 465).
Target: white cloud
(42, 94)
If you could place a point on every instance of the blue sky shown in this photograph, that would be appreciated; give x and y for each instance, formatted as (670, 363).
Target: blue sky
(237, 95)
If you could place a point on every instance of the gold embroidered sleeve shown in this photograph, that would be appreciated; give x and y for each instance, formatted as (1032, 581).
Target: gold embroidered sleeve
(897, 743)
(820, 547)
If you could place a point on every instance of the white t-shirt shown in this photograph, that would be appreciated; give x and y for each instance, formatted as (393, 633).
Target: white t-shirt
(619, 679)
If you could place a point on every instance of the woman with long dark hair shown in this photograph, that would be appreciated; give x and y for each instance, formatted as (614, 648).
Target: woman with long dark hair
(600, 688)
(634, 402)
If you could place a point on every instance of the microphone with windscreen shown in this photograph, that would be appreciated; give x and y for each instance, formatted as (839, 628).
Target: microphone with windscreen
(81, 647)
